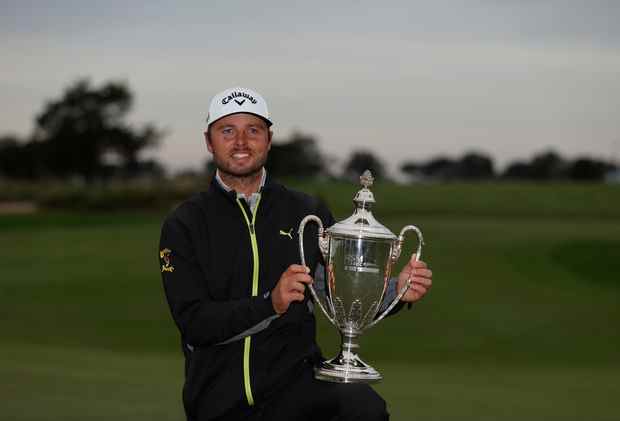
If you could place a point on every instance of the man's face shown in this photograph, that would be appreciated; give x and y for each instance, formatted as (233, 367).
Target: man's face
(239, 144)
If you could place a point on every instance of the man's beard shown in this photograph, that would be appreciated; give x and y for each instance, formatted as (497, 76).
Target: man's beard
(247, 173)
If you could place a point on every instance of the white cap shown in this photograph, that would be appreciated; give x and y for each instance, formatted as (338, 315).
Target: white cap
(237, 100)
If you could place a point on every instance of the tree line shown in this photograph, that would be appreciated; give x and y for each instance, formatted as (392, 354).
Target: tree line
(82, 134)
(546, 165)
(85, 134)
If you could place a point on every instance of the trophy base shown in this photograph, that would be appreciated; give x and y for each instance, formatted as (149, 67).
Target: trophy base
(346, 370)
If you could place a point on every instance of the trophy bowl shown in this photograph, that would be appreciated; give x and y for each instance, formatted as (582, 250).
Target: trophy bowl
(359, 254)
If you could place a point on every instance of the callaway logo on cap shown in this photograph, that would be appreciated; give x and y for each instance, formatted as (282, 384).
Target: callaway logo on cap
(237, 100)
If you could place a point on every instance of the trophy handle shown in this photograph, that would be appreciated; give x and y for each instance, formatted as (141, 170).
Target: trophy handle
(323, 247)
(395, 255)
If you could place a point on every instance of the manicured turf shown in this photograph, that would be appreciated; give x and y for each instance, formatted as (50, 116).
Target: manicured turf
(522, 322)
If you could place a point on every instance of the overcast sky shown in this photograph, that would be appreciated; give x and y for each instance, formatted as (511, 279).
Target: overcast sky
(407, 79)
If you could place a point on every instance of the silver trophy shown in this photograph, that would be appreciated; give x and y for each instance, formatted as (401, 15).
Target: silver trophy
(359, 254)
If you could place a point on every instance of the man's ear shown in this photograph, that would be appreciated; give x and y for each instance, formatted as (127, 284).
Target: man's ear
(208, 141)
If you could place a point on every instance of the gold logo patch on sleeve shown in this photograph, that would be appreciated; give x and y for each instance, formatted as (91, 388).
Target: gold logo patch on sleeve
(165, 258)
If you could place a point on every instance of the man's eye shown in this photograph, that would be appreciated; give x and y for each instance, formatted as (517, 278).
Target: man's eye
(253, 130)
(227, 131)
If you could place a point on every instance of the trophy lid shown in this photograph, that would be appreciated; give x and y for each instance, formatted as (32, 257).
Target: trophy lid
(362, 223)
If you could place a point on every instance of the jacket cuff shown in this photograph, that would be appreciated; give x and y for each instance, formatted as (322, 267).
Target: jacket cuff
(264, 306)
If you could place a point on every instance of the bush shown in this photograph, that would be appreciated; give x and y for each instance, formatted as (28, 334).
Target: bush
(116, 196)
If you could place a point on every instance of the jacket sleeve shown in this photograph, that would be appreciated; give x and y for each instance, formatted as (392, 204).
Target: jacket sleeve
(201, 321)
(325, 214)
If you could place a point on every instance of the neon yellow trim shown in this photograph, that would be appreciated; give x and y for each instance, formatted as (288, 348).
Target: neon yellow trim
(247, 342)
(246, 370)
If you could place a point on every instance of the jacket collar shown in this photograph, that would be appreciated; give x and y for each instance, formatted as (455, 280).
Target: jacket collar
(216, 187)
(227, 188)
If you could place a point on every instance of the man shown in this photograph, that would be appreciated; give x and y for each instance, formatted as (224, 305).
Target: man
(231, 273)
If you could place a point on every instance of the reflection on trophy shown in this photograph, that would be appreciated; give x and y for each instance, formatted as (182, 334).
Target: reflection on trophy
(359, 254)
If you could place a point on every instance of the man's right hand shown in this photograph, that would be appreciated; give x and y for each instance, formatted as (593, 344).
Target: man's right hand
(290, 287)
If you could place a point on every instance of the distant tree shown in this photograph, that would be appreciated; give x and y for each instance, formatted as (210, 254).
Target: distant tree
(150, 168)
(19, 159)
(475, 166)
(86, 123)
(9, 156)
(298, 156)
(587, 169)
(518, 170)
(441, 168)
(472, 166)
(362, 160)
(128, 144)
(548, 166)
(413, 170)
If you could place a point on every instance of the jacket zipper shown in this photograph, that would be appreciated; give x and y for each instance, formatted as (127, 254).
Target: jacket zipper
(248, 340)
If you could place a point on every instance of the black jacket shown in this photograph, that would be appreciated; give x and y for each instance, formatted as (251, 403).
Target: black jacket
(207, 251)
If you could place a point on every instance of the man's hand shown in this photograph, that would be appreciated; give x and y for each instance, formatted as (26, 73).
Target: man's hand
(290, 287)
(421, 280)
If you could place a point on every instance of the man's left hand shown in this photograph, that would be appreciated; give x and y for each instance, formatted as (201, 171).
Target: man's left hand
(421, 280)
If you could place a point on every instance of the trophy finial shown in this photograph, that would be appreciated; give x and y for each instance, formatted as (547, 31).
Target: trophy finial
(365, 196)
(367, 179)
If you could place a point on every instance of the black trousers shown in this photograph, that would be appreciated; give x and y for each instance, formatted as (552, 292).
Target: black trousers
(308, 399)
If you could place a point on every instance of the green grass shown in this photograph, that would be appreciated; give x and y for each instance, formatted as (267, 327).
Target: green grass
(544, 200)
(522, 322)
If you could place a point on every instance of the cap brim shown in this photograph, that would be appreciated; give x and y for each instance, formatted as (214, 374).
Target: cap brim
(266, 120)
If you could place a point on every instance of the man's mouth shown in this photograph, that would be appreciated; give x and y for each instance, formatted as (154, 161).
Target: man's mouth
(240, 155)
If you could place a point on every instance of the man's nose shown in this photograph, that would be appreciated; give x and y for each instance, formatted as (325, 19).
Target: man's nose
(241, 138)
